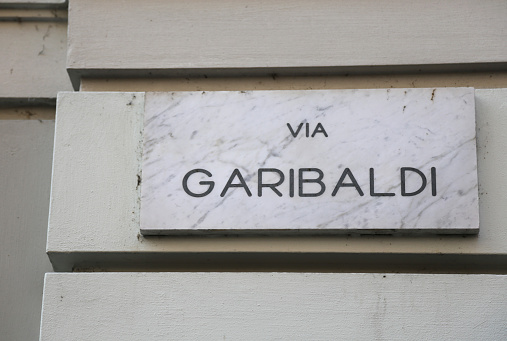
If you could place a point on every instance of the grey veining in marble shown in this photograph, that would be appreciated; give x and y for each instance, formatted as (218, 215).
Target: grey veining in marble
(205, 154)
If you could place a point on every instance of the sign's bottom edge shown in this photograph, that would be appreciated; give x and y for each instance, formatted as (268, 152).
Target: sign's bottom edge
(307, 232)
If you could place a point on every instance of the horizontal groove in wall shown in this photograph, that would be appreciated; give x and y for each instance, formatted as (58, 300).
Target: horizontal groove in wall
(61, 4)
(478, 80)
(27, 102)
(31, 15)
(279, 262)
(77, 74)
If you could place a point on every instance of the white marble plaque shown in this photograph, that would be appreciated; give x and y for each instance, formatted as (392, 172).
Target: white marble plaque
(367, 161)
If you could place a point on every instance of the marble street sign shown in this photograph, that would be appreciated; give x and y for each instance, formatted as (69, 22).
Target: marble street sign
(310, 161)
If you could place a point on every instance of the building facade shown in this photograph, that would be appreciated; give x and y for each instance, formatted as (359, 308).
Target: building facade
(76, 81)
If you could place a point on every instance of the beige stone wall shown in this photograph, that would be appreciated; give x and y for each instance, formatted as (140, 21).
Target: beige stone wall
(120, 46)
(33, 45)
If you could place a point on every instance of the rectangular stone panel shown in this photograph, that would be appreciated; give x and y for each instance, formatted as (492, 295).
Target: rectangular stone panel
(95, 203)
(273, 306)
(33, 57)
(368, 161)
(284, 37)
